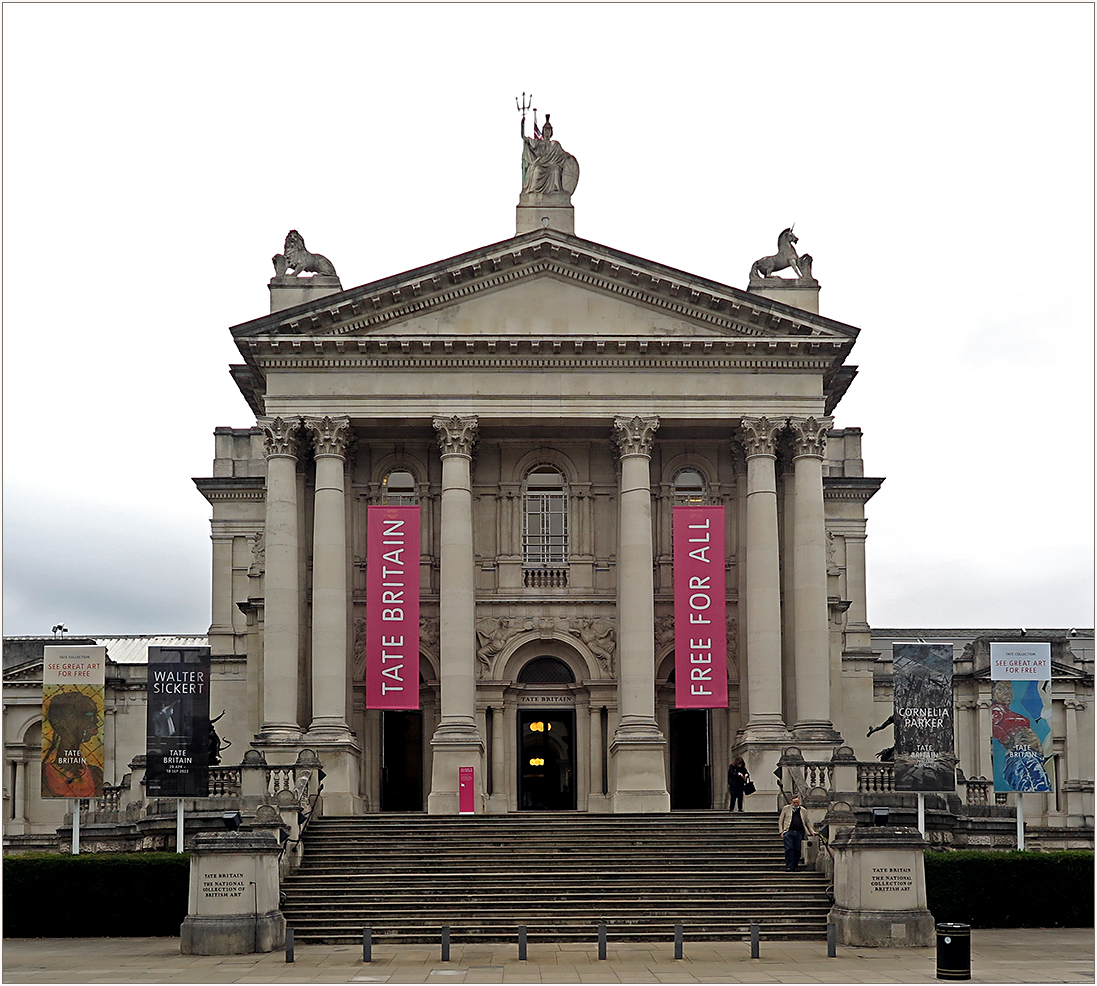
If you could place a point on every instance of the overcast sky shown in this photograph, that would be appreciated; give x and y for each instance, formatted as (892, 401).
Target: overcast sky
(936, 159)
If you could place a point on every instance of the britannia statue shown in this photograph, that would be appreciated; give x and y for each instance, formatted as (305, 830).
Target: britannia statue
(547, 169)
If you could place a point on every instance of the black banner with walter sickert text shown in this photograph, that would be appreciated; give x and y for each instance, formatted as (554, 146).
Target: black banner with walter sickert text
(925, 759)
(178, 724)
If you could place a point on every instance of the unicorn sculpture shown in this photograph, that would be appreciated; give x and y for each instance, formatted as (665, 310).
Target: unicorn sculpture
(784, 258)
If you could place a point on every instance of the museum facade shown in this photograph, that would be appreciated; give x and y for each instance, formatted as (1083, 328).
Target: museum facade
(546, 402)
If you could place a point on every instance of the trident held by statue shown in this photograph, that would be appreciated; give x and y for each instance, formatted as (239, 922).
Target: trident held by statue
(524, 105)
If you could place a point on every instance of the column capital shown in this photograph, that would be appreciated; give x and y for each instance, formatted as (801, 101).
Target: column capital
(759, 435)
(280, 435)
(809, 435)
(457, 435)
(635, 435)
(330, 436)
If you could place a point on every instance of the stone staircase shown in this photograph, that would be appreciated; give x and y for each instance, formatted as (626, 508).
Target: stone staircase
(559, 874)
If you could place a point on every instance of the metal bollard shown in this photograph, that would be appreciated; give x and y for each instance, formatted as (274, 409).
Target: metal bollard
(289, 944)
(367, 944)
(521, 943)
(677, 941)
(601, 941)
(755, 934)
(445, 943)
(832, 941)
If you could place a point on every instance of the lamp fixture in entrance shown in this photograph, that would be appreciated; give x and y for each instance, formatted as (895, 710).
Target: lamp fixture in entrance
(539, 727)
(537, 761)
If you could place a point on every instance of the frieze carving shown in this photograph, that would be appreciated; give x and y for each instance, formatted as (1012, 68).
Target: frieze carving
(457, 435)
(759, 435)
(358, 653)
(809, 435)
(330, 436)
(635, 435)
(493, 632)
(280, 435)
(599, 634)
(664, 631)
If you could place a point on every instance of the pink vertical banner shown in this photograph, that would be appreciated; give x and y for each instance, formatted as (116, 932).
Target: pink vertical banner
(467, 789)
(700, 609)
(392, 608)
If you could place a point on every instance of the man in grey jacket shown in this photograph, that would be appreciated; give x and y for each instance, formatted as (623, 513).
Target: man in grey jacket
(794, 825)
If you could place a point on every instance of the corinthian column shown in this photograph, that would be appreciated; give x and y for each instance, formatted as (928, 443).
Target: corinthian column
(456, 742)
(811, 633)
(281, 585)
(638, 744)
(763, 583)
(329, 579)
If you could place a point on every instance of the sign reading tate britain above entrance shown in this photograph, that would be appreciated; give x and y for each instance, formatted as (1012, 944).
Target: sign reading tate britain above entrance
(700, 609)
(392, 608)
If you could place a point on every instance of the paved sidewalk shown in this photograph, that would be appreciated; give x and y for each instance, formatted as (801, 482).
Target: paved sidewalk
(1002, 956)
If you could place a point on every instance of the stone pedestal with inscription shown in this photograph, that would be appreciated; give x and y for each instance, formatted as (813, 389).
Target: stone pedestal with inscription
(233, 902)
(880, 888)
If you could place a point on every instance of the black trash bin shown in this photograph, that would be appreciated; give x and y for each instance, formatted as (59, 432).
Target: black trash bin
(953, 951)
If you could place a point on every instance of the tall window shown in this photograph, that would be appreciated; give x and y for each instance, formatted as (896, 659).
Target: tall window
(398, 489)
(545, 529)
(689, 487)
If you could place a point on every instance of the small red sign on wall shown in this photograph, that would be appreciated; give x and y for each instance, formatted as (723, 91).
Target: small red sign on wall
(467, 801)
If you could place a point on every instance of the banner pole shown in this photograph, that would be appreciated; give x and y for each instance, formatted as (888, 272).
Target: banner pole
(1020, 822)
(76, 827)
(178, 824)
(922, 813)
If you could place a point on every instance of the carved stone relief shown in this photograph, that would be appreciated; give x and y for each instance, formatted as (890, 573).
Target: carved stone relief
(809, 435)
(330, 436)
(635, 435)
(280, 435)
(457, 435)
(759, 435)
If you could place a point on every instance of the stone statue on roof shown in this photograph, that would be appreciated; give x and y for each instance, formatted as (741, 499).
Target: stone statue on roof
(547, 169)
(785, 257)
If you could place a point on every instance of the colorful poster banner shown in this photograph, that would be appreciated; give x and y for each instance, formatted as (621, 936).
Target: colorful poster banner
(925, 759)
(1020, 660)
(177, 723)
(700, 609)
(73, 698)
(1021, 740)
(392, 607)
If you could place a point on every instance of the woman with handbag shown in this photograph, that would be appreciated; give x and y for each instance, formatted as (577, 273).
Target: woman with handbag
(739, 783)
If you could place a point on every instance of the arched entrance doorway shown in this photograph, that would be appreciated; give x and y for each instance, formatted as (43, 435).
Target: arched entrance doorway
(546, 741)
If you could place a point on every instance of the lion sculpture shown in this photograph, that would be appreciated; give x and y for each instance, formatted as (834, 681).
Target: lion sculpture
(298, 259)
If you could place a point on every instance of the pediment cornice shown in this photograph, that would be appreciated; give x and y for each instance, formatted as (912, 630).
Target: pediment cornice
(716, 309)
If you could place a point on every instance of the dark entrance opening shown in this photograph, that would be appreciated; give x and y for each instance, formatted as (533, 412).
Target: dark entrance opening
(402, 761)
(690, 759)
(546, 760)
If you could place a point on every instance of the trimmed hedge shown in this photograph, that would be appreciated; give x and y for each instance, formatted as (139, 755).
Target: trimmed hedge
(95, 895)
(1011, 889)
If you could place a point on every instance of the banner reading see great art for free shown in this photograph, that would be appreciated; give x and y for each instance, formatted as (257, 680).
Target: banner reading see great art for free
(72, 721)
(700, 609)
(1020, 713)
(392, 608)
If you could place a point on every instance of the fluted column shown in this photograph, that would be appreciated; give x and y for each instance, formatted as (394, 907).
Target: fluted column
(457, 741)
(281, 582)
(638, 743)
(763, 581)
(811, 635)
(329, 578)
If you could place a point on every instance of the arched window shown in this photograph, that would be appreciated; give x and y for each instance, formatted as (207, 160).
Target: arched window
(545, 521)
(689, 487)
(398, 489)
(545, 671)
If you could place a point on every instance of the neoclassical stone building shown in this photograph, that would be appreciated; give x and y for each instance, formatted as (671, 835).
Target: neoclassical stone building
(546, 401)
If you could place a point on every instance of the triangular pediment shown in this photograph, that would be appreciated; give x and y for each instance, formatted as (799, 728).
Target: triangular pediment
(546, 283)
